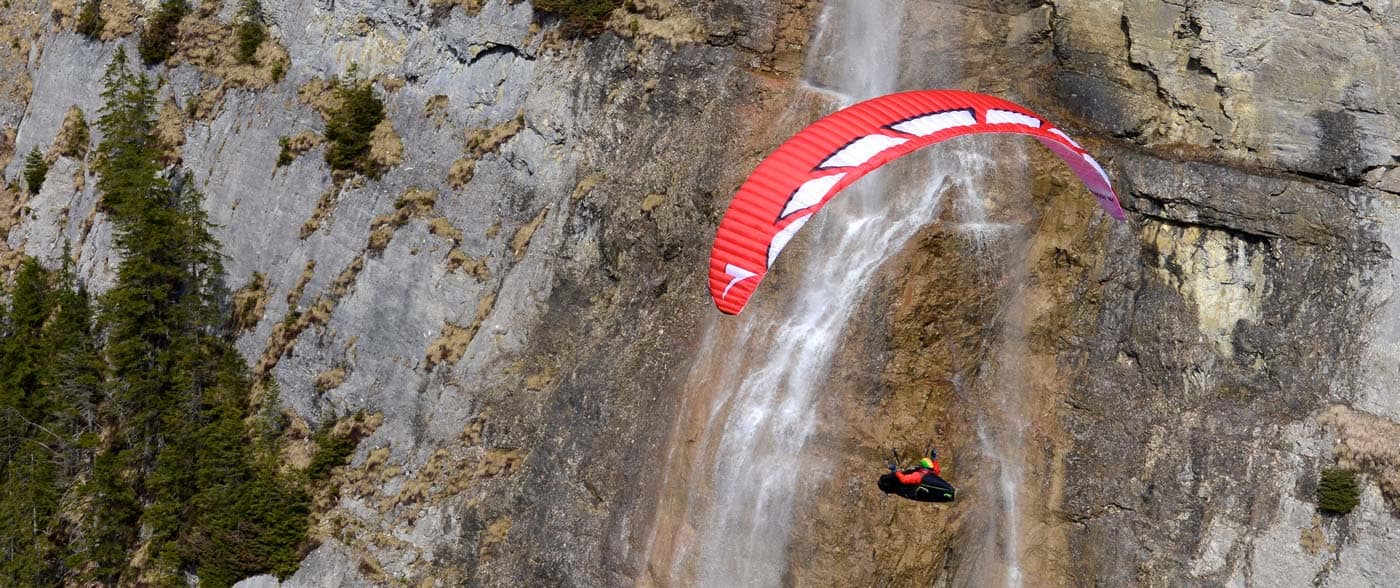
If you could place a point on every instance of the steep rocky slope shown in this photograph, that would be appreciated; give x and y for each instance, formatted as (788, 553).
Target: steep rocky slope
(517, 298)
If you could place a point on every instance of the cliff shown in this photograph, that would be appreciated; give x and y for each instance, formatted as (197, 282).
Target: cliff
(518, 300)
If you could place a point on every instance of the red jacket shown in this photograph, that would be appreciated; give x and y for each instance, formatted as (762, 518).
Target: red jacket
(916, 475)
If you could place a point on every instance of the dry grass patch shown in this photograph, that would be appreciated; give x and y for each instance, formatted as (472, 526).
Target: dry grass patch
(652, 201)
(331, 379)
(470, 6)
(586, 185)
(657, 19)
(319, 94)
(1370, 445)
(74, 134)
(385, 146)
(496, 532)
(295, 146)
(414, 202)
(170, 129)
(212, 47)
(436, 109)
(285, 333)
(521, 241)
(458, 260)
(324, 205)
(452, 343)
(480, 142)
(294, 295)
(442, 227)
(250, 304)
(461, 172)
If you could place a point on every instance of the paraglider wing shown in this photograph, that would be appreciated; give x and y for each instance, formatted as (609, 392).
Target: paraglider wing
(804, 173)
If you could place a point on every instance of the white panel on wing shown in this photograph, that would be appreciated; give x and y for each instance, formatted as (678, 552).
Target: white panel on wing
(861, 150)
(929, 124)
(1062, 135)
(1003, 117)
(1102, 174)
(781, 239)
(810, 193)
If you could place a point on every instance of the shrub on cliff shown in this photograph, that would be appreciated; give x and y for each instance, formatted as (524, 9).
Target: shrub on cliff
(581, 17)
(158, 38)
(351, 124)
(35, 169)
(75, 135)
(1337, 492)
(251, 31)
(90, 19)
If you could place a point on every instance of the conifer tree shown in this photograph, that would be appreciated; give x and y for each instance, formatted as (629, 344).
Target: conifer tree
(32, 453)
(350, 125)
(35, 169)
(128, 156)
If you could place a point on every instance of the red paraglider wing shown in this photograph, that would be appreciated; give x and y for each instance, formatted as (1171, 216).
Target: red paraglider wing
(804, 173)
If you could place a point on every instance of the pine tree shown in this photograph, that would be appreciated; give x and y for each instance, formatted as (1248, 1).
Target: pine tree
(350, 125)
(27, 465)
(21, 349)
(35, 169)
(128, 156)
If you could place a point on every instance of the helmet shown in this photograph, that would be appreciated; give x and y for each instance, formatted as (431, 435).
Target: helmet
(926, 462)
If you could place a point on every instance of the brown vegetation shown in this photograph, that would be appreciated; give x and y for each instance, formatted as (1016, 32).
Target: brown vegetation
(1370, 445)
(452, 343)
(479, 142)
(212, 46)
(249, 304)
(521, 241)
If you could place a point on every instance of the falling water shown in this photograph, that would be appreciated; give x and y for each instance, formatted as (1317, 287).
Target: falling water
(764, 372)
(764, 413)
(1000, 419)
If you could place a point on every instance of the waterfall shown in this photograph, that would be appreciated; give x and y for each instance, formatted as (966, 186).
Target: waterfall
(737, 469)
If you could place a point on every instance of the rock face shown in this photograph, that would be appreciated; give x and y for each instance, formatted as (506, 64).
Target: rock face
(519, 297)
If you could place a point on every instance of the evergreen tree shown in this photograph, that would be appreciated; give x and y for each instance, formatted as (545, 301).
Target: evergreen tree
(74, 377)
(178, 458)
(35, 169)
(350, 125)
(158, 38)
(21, 349)
(128, 156)
(28, 471)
